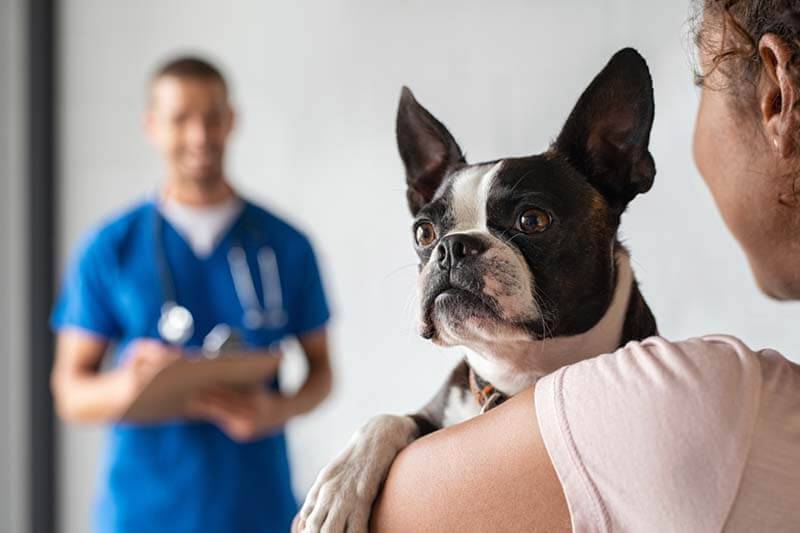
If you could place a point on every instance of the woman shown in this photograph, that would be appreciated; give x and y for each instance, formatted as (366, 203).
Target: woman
(700, 435)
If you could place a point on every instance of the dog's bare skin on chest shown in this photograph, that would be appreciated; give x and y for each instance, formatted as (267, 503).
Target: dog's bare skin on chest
(520, 266)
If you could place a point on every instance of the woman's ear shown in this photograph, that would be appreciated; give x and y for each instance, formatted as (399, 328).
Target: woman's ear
(778, 95)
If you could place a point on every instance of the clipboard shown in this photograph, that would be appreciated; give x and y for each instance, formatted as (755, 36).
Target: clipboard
(165, 396)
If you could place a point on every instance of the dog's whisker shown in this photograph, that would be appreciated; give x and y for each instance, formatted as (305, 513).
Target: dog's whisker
(398, 269)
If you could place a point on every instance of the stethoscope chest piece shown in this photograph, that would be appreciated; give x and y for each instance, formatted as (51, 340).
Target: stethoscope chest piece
(176, 324)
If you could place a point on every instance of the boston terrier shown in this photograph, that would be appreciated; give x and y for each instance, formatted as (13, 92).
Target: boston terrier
(520, 265)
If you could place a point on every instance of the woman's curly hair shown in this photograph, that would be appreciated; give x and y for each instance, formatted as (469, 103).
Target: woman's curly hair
(738, 26)
(728, 32)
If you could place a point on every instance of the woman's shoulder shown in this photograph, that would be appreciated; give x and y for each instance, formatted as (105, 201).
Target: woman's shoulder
(668, 370)
(711, 361)
(723, 347)
(711, 375)
(714, 377)
(660, 420)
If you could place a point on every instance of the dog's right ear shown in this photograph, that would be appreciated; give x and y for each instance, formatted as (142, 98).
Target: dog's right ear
(428, 150)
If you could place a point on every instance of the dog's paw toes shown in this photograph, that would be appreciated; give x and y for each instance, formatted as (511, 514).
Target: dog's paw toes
(333, 515)
(333, 506)
(341, 497)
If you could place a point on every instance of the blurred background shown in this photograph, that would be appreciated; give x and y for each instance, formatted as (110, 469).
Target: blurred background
(315, 84)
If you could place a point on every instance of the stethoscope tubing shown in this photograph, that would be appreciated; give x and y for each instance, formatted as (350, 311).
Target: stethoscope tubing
(255, 315)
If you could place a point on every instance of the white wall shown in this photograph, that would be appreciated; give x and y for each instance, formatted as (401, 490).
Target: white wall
(316, 84)
(13, 280)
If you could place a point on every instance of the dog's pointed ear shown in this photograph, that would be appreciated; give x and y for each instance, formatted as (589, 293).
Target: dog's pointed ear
(607, 134)
(428, 150)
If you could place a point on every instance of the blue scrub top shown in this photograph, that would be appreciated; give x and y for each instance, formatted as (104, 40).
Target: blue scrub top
(188, 476)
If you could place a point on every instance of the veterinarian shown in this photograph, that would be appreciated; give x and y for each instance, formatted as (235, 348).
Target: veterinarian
(698, 435)
(185, 270)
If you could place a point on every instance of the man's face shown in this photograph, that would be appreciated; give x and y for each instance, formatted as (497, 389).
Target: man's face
(189, 121)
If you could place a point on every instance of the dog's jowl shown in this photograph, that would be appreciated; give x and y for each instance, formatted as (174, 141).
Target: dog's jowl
(520, 265)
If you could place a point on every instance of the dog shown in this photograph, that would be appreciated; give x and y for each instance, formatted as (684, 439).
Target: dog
(520, 265)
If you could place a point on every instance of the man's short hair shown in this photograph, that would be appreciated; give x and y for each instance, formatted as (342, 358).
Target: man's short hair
(189, 67)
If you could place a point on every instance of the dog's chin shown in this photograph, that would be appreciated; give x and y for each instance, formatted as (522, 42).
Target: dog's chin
(457, 317)
(454, 315)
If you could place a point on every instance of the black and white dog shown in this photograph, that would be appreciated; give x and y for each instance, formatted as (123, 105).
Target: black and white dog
(520, 265)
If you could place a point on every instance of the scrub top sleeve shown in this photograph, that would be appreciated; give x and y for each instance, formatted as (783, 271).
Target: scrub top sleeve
(309, 310)
(84, 297)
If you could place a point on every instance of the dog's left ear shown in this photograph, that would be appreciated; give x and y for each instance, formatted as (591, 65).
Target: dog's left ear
(607, 134)
(428, 150)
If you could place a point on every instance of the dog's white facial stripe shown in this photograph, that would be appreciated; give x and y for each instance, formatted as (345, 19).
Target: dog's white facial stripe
(470, 192)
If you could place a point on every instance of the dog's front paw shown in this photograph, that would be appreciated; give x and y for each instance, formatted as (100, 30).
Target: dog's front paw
(337, 501)
(342, 495)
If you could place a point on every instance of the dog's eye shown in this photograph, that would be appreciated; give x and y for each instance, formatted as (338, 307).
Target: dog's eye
(534, 221)
(425, 234)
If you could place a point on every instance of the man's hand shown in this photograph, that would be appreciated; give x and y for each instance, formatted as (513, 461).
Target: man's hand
(83, 393)
(249, 414)
(143, 359)
(244, 415)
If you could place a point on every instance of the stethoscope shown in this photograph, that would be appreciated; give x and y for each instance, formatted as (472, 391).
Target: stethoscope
(176, 323)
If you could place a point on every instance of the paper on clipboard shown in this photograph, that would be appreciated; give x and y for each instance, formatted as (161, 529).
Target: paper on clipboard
(165, 397)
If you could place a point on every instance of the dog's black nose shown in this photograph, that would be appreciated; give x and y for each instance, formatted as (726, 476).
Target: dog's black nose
(455, 248)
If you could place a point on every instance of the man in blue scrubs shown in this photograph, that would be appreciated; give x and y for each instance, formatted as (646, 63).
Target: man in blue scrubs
(200, 246)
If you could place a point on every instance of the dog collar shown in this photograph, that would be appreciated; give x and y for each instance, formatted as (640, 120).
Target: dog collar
(487, 396)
